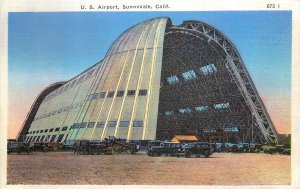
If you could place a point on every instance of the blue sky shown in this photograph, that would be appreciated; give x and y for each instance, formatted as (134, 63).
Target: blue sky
(49, 47)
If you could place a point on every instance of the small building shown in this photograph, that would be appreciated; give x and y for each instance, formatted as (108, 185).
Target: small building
(184, 138)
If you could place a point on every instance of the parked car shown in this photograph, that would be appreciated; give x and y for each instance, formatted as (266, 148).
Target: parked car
(158, 148)
(17, 147)
(87, 147)
(197, 148)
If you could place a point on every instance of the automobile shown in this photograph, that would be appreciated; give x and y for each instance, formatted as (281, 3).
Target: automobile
(255, 147)
(158, 148)
(38, 146)
(287, 152)
(196, 148)
(87, 147)
(17, 147)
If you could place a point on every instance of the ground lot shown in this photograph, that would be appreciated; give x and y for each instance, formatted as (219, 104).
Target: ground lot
(222, 168)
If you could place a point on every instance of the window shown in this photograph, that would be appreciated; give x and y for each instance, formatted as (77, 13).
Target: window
(51, 130)
(48, 138)
(80, 79)
(172, 80)
(169, 113)
(120, 93)
(201, 108)
(208, 130)
(100, 124)
(33, 138)
(43, 137)
(37, 131)
(222, 106)
(138, 123)
(60, 137)
(93, 96)
(89, 74)
(41, 131)
(231, 129)
(112, 123)
(46, 130)
(76, 125)
(57, 129)
(66, 87)
(130, 92)
(91, 124)
(208, 69)
(124, 123)
(102, 94)
(38, 138)
(33, 132)
(64, 128)
(143, 92)
(185, 110)
(54, 112)
(110, 94)
(83, 125)
(52, 138)
(189, 75)
(73, 83)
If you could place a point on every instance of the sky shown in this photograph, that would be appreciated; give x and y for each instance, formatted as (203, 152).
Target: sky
(44, 48)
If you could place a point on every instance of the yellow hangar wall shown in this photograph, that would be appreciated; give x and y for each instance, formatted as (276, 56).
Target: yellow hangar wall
(116, 97)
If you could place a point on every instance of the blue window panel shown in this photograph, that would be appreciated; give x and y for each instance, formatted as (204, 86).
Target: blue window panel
(110, 94)
(138, 123)
(130, 92)
(208, 130)
(95, 95)
(169, 113)
(172, 80)
(201, 108)
(112, 123)
(63, 129)
(102, 94)
(221, 106)
(124, 123)
(231, 129)
(100, 124)
(185, 110)
(83, 125)
(189, 75)
(91, 124)
(208, 69)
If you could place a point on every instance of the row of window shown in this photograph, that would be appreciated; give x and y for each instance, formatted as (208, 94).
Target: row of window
(58, 111)
(191, 74)
(225, 129)
(72, 83)
(100, 124)
(44, 138)
(110, 94)
(49, 130)
(198, 109)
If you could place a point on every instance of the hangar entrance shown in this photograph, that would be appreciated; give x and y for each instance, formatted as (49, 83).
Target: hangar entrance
(198, 95)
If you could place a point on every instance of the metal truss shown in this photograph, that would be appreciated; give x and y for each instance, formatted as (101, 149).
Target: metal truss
(192, 46)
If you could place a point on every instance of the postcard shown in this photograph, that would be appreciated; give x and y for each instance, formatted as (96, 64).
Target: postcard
(143, 94)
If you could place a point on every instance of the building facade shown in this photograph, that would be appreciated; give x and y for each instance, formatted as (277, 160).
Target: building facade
(155, 81)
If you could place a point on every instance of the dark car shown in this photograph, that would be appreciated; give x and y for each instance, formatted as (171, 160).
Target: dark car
(87, 147)
(158, 148)
(17, 147)
(198, 149)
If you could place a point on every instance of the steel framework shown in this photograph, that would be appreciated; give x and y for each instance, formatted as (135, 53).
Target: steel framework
(206, 89)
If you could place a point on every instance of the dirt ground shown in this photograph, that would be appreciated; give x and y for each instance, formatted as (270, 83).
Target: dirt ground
(119, 169)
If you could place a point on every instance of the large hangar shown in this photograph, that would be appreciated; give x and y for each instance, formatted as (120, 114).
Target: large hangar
(156, 80)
